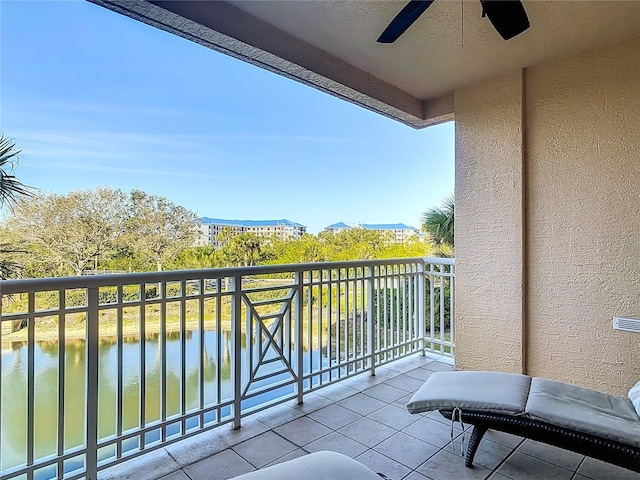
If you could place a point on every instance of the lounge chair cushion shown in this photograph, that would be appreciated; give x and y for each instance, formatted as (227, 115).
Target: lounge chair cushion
(316, 466)
(493, 392)
(584, 410)
(634, 396)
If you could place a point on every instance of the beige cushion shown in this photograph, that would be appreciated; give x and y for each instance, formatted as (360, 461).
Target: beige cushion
(584, 410)
(316, 466)
(634, 396)
(493, 392)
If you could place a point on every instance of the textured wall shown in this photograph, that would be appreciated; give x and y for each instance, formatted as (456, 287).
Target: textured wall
(571, 257)
(489, 225)
(583, 156)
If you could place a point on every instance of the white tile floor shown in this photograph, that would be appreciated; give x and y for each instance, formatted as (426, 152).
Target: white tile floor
(364, 417)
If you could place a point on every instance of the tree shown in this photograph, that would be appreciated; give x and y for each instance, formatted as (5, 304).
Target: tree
(242, 249)
(157, 228)
(439, 222)
(225, 236)
(70, 233)
(11, 189)
(354, 243)
(411, 248)
(196, 258)
(306, 249)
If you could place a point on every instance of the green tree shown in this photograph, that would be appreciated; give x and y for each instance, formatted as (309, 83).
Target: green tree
(411, 248)
(157, 228)
(439, 222)
(354, 243)
(311, 249)
(11, 189)
(242, 249)
(225, 236)
(196, 258)
(89, 229)
(306, 249)
(70, 233)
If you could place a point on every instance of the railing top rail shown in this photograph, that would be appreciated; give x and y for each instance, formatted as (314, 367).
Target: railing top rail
(31, 284)
(440, 260)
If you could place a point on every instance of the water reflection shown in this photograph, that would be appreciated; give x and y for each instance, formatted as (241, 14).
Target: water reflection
(216, 350)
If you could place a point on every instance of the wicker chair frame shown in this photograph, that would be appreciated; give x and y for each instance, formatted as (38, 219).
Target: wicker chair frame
(623, 455)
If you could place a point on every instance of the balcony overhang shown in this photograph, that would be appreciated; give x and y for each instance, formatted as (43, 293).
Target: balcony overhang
(331, 45)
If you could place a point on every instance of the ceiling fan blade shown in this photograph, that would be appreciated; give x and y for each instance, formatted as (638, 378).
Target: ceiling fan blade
(507, 16)
(404, 20)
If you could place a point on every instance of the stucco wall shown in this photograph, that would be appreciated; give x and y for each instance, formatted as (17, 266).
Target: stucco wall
(537, 287)
(488, 225)
(583, 156)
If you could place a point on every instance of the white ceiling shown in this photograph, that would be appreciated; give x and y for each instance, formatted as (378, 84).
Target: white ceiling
(332, 44)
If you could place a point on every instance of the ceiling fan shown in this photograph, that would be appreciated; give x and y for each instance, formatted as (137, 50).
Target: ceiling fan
(507, 16)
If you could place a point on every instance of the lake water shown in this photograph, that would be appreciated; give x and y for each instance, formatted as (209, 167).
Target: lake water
(13, 416)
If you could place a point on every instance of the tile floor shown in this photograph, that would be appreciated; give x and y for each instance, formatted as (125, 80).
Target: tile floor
(365, 418)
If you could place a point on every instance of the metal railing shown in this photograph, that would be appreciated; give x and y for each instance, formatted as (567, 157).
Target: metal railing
(97, 370)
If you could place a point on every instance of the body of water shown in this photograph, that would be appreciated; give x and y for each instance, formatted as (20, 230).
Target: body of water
(216, 361)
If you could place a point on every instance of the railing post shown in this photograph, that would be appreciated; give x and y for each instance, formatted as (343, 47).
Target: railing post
(452, 285)
(421, 305)
(370, 320)
(297, 324)
(91, 405)
(236, 336)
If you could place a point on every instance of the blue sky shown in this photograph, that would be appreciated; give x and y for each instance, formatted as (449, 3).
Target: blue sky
(94, 98)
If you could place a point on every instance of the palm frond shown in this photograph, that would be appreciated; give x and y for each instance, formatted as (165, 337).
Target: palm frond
(8, 268)
(439, 222)
(10, 186)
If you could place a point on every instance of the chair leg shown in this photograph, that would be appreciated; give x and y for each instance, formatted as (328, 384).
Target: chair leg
(474, 442)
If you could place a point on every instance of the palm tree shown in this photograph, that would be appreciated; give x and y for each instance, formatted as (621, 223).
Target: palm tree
(10, 187)
(438, 222)
(10, 190)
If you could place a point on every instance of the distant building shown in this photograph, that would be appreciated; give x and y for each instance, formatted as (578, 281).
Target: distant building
(285, 229)
(401, 232)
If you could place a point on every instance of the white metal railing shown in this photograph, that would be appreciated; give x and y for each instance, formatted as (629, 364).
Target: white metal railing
(99, 369)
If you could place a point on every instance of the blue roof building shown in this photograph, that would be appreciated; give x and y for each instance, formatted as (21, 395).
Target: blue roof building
(211, 227)
(400, 231)
(251, 223)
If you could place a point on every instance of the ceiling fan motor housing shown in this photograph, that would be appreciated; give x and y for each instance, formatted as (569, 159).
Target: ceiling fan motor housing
(507, 17)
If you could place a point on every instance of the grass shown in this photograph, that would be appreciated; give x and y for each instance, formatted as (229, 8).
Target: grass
(214, 317)
(216, 313)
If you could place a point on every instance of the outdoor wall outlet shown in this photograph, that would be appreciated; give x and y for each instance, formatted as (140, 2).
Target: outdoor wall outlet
(626, 324)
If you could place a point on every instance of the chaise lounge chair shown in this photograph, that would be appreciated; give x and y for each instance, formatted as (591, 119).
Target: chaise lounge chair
(592, 423)
(315, 466)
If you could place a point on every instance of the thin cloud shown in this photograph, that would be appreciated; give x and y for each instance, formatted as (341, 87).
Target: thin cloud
(100, 139)
(59, 107)
(174, 140)
(128, 147)
(204, 151)
(58, 115)
(89, 167)
(280, 138)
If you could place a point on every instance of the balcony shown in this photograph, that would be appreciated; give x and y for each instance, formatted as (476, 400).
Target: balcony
(365, 418)
(100, 369)
(152, 375)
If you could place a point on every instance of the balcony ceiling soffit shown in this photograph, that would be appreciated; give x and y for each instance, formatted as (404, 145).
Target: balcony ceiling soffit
(332, 44)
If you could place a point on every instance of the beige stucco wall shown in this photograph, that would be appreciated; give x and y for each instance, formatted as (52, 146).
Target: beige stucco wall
(488, 225)
(543, 302)
(583, 151)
